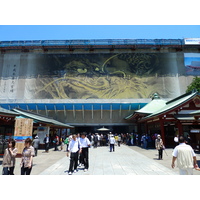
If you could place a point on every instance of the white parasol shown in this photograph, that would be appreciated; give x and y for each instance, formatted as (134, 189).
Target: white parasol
(103, 129)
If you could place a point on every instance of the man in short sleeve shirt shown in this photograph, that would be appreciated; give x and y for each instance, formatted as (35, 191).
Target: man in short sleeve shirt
(185, 156)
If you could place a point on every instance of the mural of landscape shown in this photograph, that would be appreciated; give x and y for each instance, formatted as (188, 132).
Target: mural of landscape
(93, 76)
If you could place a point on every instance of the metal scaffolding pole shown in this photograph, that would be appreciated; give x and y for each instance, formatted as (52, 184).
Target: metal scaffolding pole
(65, 110)
(37, 108)
(83, 111)
(46, 110)
(92, 111)
(74, 111)
(120, 110)
(111, 111)
(101, 111)
(55, 111)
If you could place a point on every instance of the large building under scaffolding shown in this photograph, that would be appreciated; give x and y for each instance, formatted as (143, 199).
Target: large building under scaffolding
(94, 83)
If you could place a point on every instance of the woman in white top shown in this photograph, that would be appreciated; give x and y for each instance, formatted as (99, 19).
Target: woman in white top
(9, 158)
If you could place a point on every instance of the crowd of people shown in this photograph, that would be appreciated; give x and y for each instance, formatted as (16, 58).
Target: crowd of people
(78, 145)
(99, 139)
(77, 148)
(182, 153)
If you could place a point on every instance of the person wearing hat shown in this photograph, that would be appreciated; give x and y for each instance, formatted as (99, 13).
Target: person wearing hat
(84, 156)
(159, 146)
(36, 143)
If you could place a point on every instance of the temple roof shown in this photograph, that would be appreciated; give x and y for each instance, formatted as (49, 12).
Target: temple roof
(170, 105)
(149, 108)
(152, 106)
(158, 106)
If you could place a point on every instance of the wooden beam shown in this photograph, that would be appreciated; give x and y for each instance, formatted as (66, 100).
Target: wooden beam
(180, 127)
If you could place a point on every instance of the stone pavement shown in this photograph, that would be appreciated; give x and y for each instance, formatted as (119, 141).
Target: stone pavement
(124, 161)
(167, 157)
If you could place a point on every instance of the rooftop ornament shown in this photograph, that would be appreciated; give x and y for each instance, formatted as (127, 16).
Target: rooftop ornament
(155, 96)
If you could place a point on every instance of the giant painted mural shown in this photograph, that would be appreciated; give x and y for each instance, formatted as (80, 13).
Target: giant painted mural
(94, 76)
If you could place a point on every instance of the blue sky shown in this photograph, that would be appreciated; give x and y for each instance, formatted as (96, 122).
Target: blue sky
(65, 32)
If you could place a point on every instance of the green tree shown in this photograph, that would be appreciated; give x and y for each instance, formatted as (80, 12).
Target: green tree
(195, 85)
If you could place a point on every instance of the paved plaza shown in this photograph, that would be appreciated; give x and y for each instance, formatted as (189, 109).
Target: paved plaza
(125, 160)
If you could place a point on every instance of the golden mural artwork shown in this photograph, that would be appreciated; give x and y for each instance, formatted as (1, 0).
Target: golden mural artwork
(99, 88)
(121, 76)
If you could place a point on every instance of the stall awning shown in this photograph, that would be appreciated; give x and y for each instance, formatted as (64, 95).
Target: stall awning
(40, 118)
(9, 113)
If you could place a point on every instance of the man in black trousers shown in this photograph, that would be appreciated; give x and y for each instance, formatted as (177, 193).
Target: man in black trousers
(46, 143)
(85, 144)
(74, 149)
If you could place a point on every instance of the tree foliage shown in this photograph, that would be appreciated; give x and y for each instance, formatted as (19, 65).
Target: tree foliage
(195, 85)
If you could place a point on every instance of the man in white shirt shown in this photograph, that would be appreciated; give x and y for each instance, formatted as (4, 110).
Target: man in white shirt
(85, 144)
(186, 158)
(74, 148)
(112, 143)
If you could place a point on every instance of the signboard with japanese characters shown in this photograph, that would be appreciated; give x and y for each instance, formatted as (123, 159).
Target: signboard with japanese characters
(23, 130)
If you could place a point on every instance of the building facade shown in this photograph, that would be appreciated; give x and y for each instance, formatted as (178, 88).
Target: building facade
(94, 83)
(179, 116)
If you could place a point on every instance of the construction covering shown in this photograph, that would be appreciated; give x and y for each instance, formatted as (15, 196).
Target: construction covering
(30, 77)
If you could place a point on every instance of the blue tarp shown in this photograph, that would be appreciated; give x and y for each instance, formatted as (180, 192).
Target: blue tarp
(71, 106)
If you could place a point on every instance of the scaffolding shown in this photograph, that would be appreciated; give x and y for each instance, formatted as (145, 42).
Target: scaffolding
(98, 42)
